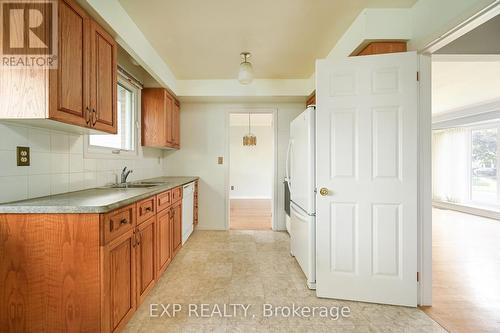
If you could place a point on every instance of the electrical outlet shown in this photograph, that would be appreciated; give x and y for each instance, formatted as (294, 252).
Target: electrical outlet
(232, 188)
(220, 160)
(23, 156)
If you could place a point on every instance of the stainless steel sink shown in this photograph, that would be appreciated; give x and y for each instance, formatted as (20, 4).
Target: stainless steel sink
(139, 184)
(157, 183)
(131, 186)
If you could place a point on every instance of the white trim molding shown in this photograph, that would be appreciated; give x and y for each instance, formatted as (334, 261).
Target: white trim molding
(487, 212)
(467, 115)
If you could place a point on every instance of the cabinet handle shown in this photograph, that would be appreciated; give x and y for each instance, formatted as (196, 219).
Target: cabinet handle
(94, 112)
(124, 221)
(148, 209)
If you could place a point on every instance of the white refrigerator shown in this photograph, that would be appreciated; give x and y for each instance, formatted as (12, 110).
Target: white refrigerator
(300, 175)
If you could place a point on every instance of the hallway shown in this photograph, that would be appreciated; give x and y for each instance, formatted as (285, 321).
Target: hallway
(466, 272)
(254, 267)
(250, 214)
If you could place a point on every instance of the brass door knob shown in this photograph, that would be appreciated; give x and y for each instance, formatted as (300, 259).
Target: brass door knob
(323, 191)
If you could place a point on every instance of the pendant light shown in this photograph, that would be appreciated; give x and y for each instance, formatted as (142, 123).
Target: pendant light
(249, 139)
(245, 76)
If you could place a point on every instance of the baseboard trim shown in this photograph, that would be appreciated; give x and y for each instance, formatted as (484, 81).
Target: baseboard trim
(473, 210)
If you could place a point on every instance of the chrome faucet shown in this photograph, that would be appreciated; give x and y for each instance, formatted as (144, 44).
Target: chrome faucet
(125, 174)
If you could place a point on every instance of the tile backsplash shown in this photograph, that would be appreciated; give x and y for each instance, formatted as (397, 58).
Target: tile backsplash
(58, 164)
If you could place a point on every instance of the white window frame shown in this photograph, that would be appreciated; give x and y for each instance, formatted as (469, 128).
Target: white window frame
(469, 202)
(91, 151)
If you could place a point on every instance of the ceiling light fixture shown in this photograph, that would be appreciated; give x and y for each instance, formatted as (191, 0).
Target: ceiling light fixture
(245, 76)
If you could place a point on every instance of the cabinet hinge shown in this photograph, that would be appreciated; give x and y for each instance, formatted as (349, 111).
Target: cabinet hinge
(418, 76)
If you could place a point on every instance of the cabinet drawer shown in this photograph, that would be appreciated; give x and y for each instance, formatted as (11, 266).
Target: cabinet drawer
(118, 222)
(146, 209)
(176, 194)
(163, 200)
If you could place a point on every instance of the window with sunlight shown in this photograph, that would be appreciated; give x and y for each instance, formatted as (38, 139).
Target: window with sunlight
(125, 139)
(465, 163)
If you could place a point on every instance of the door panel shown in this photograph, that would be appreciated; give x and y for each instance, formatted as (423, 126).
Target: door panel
(103, 85)
(302, 160)
(145, 253)
(177, 226)
(169, 117)
(69, 82)
(176, 121)
(367, 158)
(120, 278)
(163, 241)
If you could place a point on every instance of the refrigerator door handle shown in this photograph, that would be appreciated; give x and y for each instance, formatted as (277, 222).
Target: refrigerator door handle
(302, 216)
(287, 164)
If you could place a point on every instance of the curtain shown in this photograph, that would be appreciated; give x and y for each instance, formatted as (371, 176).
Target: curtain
(450, 165)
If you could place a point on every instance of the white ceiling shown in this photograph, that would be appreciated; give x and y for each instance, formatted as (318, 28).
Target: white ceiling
(257, 119)
(460, 84)
(202, 39)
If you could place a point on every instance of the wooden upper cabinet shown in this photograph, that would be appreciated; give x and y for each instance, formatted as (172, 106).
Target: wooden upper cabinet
(160, 119)
(311, 100)
(169, 118)
(68, 95)
(176, 125)
(80, 91)
(103, 81)
(382, 47)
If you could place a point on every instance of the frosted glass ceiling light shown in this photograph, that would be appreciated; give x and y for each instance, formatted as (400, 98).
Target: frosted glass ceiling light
(245, 76)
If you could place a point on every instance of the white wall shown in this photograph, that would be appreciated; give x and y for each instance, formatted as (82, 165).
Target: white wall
(204, 138)
(58, 164)
(251, 167)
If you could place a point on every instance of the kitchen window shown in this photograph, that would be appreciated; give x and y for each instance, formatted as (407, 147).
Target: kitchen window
(125, 141)
(465, 164)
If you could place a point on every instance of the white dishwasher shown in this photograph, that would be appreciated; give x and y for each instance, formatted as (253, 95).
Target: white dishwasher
(187, 211)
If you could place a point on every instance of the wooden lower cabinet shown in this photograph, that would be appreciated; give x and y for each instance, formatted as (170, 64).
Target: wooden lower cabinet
(145, 258)
(82, 272)
(119, 270)
(164, 241)
(176, 227)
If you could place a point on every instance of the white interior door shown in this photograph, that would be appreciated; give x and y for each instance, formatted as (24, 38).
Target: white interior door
(366, 231)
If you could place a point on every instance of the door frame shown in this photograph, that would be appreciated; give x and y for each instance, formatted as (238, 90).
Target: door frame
(425, 146)
(275, 183)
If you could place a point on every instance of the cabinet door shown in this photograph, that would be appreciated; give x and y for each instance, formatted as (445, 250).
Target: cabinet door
(145, 255)
(163, 241)
(169, 118)
(153, 117)
(119, 282)
(68, 84)
(177, 226)
(176, 128)
(103, 86)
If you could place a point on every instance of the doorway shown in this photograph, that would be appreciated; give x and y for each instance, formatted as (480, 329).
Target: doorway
(251, 170)
(465, 196)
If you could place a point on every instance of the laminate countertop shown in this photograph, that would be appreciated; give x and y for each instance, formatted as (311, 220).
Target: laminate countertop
(92, 201)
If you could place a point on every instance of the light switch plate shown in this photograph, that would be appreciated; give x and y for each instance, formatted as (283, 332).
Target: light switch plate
(220, 160)
(23, 156)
